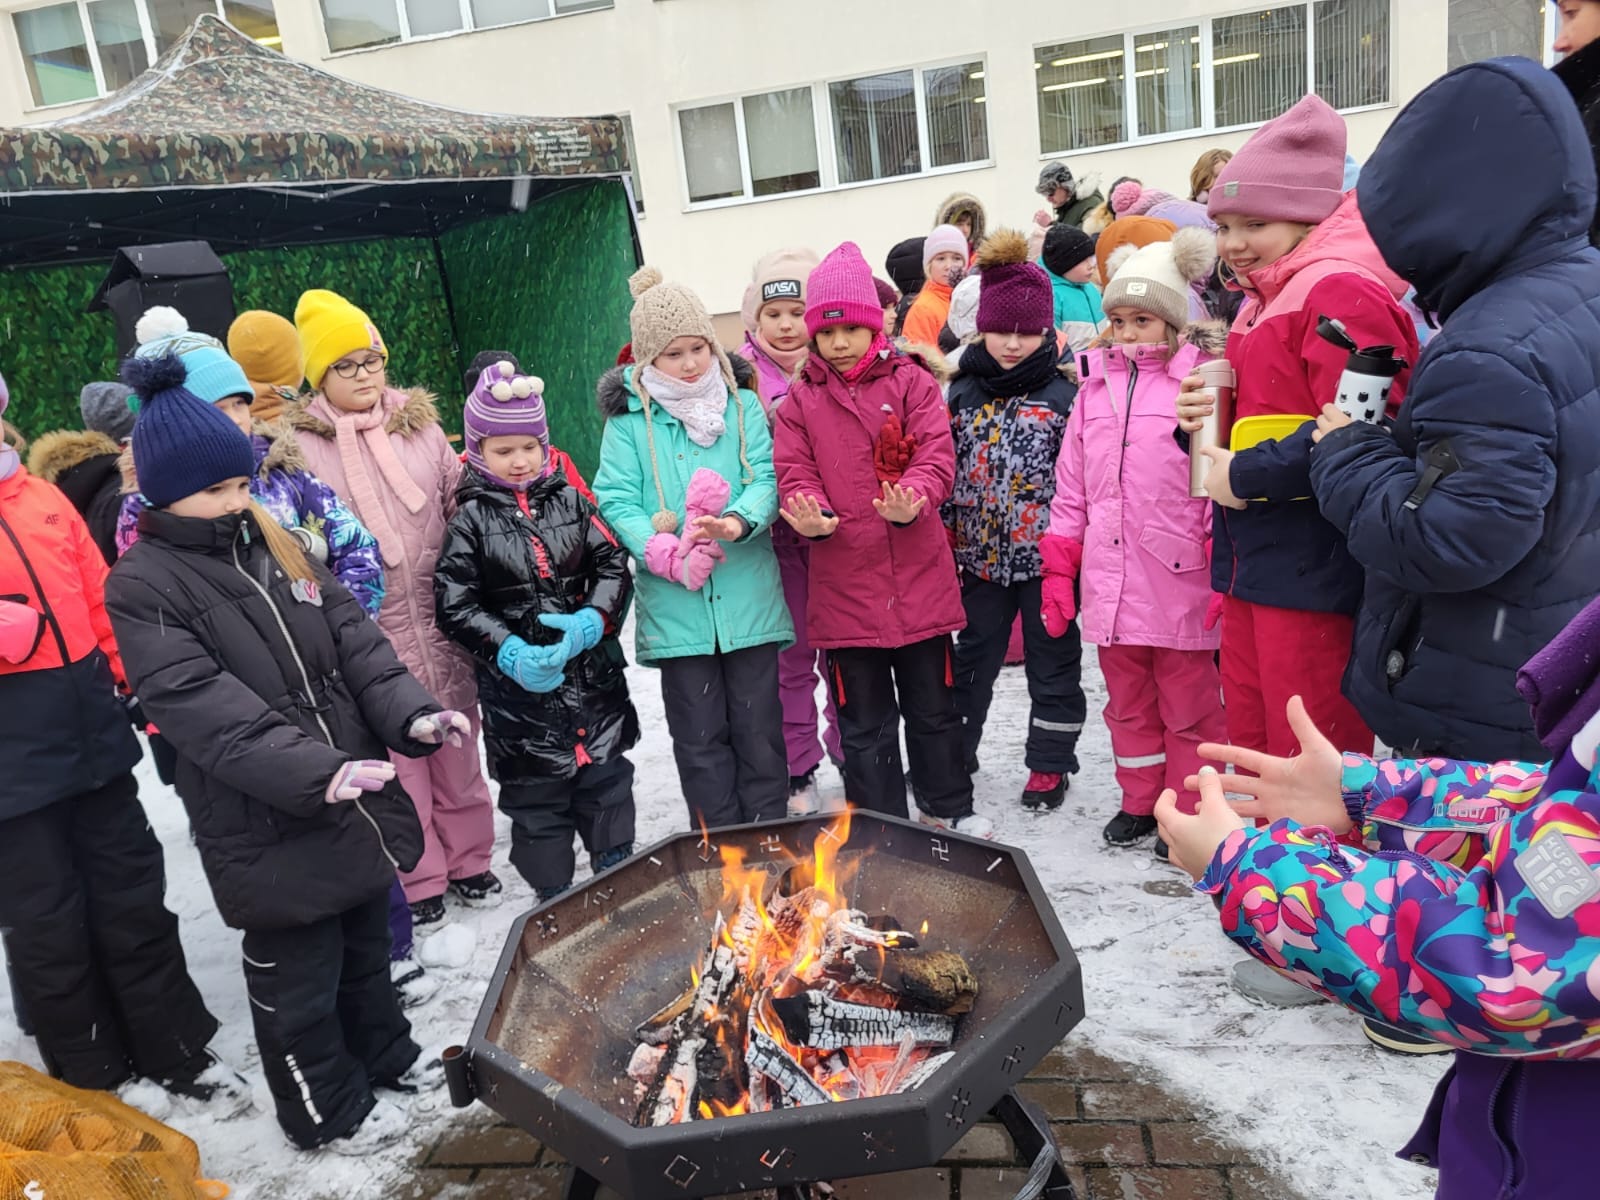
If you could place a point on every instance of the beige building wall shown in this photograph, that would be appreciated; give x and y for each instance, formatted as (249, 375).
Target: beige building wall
(642, 57)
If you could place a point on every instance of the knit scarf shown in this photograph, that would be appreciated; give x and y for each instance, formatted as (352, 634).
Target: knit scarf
(1029, 375)
(786, 360)
(880, 346)
(352, 430)
(701, 406)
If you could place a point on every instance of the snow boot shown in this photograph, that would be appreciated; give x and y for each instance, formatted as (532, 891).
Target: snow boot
(477, 891)
(412, 983)
(1256, 981)
(972, 825)
(427, 915)
(804, 799)
(424, 1075)
(384, 1125)
(1044, 791)
(1128, 829)
(607, 859)
(206, 1085)
(1400, 1041)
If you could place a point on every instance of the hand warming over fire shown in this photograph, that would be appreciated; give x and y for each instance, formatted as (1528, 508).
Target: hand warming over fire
(1305, 789)
(1192, 839)
(900, 505)
(807, 517)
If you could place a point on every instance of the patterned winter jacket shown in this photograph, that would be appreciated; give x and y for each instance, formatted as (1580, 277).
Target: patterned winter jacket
(284, 485)
(1005, 474)
(1471, 916)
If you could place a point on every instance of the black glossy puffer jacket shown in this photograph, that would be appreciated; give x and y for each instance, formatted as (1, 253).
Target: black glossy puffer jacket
(507, 558)
(265, 696)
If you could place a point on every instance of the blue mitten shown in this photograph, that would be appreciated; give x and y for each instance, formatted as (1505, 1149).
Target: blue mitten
(530, 667)
(579, 631)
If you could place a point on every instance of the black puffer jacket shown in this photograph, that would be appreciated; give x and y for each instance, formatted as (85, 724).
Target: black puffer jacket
(1580, 72)
(507, 558)
(264, 697)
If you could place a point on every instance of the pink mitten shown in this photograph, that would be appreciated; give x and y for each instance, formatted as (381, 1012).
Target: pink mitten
(663, 556)
(1213, 605)
(707, 495)
(701, 559)
(20, 629)
(1062, 559)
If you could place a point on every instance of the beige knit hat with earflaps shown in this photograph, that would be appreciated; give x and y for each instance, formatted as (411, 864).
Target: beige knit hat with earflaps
(663, 311)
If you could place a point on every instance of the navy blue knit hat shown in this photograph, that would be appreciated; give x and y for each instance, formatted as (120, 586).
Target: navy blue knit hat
(181, 444)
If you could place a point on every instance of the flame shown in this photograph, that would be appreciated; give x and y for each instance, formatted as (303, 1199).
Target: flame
(923, 932)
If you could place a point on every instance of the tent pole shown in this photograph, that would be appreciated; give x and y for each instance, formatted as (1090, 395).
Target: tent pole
(449, 296)
(633, 218)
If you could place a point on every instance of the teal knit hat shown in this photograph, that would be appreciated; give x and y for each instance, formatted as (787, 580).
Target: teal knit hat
(181, 443)
(212, 375)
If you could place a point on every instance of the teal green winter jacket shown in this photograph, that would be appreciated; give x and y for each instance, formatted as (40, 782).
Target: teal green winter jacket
(1077, 308)
(742, 603)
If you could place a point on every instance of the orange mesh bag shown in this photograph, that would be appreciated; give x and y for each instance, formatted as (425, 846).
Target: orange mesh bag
(64, 1143)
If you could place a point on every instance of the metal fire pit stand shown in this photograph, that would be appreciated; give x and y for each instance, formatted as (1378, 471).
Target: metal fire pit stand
(1030, 1133)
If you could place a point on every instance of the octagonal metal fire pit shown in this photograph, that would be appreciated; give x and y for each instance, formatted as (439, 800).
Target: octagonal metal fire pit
(551, 1045)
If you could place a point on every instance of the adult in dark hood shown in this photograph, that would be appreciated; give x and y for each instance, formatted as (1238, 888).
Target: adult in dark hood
(1478, 521)
(1578, 37)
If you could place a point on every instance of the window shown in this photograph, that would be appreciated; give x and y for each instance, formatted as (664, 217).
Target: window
(1220, 73)
(1480, 29)
(359, 24)
(86, 48)
(826, 135)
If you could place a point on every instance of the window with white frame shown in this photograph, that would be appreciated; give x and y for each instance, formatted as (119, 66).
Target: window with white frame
(1217, 73)
(824, 135)
(358, 24)
(81, 49)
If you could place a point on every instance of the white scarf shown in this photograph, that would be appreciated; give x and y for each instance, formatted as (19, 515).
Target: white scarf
(701, 406)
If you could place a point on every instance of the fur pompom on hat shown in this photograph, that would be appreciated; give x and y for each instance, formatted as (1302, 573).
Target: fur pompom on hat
(962, 321)
(1156, 278)
(1016, 296)
(663, 311)
(1128, 231)
(213, 375)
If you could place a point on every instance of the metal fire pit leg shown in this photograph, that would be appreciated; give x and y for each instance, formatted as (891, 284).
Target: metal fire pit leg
(1030, 1132)
(580, 1185)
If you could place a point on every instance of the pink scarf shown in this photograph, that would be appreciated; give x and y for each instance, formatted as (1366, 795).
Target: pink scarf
(352, 429)
(880, 345)
(785, 360)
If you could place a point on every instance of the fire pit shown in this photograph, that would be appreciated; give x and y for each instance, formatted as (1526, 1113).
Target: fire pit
(561, 1022)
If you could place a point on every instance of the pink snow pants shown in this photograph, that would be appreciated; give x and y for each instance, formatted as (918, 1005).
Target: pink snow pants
(800, 666)
(455, 809)
(1160, 705)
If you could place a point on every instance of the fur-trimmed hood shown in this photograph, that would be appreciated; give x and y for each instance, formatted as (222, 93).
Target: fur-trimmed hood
(52, 455)
(957, 203)
(612, 393)
(419, 411)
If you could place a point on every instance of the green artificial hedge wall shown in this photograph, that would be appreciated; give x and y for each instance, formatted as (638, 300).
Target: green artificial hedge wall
(548, 284)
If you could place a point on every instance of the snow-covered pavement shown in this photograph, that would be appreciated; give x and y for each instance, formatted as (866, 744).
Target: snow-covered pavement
(1301, 1089)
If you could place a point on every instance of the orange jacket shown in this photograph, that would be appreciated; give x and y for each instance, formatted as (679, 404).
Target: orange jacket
(927, 314)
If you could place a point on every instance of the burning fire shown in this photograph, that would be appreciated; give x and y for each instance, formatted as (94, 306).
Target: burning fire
(799, 999)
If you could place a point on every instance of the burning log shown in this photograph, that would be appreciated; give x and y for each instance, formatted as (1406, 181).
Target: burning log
(934, 981)
(673, 1091)
(763, 1054)
(818, 1021)
(923, 1071)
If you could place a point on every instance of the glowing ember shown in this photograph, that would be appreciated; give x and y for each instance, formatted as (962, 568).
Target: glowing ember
(799, 999)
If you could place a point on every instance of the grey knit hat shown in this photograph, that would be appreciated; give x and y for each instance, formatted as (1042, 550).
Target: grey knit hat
(105, 409)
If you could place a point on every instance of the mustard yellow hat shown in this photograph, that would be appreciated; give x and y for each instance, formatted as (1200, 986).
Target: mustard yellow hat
(331, 327)
(267, 347)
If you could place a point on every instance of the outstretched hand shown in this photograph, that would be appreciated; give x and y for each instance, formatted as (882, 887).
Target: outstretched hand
(1193, 837)
(899, 505)
(1306, 789)
(807, 517)
(716, 529)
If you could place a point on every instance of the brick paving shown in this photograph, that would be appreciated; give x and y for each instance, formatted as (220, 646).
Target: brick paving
(1122, 1136)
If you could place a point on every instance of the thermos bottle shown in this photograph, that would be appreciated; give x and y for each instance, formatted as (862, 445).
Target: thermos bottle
(1219, 381)
(1369, 373)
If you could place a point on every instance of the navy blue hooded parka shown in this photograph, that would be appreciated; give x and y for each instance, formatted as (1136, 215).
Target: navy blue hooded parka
(1478, 521)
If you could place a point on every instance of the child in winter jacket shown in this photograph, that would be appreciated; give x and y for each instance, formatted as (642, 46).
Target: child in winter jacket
(1127, 537)
(84, 465)
(534, 586)
(561, 462)
(687, 483)
(267, 349)
(1068, 257)
(105, 984)
(944, 260)
(774, 314)
(279, 695)
(1008, 410)
(383, 451)
(863, 449)
(1468, 916)
(1300, 252)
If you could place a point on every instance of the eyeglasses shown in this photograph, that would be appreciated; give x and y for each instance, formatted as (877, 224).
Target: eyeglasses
(372, 364)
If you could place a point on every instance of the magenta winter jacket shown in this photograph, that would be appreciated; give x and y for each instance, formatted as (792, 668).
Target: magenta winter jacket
(872, 583)
(1122, 492)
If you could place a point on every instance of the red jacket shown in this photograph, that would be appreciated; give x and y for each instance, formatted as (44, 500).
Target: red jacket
(64, 732)
(872, 583)
(1279, 550)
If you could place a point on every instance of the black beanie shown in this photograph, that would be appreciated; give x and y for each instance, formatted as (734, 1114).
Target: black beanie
(1065, 246)
(904, 265)
(482, 361)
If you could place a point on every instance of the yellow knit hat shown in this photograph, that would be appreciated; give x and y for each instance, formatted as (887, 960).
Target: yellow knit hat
(268, 348)
(331, 327)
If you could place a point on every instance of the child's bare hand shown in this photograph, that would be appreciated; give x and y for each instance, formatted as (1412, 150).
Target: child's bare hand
(900, 505)
(807, 517)
(1193, 837)
(1333, 417)
(717, 529)
(1194, 404)
(1305, 788)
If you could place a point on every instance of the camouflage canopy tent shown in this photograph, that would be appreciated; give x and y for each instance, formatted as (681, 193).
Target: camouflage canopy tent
(265, 157)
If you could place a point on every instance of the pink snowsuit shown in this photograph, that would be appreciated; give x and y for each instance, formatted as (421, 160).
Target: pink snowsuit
(800, 666)
(400, 478)
(1122, 495)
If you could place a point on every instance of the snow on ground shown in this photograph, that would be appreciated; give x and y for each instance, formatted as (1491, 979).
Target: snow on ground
(1300, 1088)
